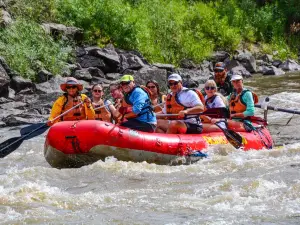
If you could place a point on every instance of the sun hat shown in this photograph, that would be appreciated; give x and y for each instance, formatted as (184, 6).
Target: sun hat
(71, 81)
(236, 77)
(175, 77)
(126, 78)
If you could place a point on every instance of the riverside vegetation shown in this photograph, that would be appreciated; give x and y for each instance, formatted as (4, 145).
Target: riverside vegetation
(163, 31)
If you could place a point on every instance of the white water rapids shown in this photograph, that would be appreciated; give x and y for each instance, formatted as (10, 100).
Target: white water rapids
(228, 187)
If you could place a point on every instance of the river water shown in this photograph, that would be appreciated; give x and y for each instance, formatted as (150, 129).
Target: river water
(228, 187)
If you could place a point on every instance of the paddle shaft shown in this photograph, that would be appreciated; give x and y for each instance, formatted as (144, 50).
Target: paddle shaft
(280, 109)
(45, 124)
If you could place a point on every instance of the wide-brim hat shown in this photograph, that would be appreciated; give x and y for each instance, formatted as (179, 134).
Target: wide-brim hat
(71, 81)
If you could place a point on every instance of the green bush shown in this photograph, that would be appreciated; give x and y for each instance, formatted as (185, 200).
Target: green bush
(163, 31)
(28, 49)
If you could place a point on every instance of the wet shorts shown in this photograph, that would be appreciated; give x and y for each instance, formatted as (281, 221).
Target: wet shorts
(139, 125)
(193, 128)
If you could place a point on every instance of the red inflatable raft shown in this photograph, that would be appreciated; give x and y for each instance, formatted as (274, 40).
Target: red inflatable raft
(77, 143)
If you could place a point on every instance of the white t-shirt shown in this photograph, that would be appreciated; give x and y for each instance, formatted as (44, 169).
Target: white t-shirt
(217, 103)
(189, 99)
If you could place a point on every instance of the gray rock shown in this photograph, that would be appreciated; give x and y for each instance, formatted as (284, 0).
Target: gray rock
(110, 56)
(152, 73)
(58, 30)
(272, 70)
(168, 67)
(5, 18)
(219, 56)
(83, 74)
(19, 83)
(112, 76)
(87, 61)
(277, 63)
(130, 61)
(290, 65)
(96, 72)
(80, 51)
(240, 70)
(43, 76)
(4, 82)
(247, 60)
(187, 64)
(197, 75)
(266, 58)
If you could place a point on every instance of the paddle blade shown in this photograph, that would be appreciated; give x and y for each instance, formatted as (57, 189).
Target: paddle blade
(10, 145)
(34, 130)
(31, 127)
(235, 139)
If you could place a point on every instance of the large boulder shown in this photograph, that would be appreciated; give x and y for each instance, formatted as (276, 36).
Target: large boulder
(290, 65)
(5, 18)
(247, 60)
(219, 56)
(108, 55)
(240, 70)
(130, 61)
(19, 84)
(168, 67)
(272, 70)
(151, 73)
(60, 30)
(87, 61)
(4, 82)
(43, 76)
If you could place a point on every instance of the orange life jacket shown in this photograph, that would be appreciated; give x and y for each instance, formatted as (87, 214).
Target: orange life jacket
(103, 113)
(173, 106)
(236, 103)
(158, 105)
(76, 114)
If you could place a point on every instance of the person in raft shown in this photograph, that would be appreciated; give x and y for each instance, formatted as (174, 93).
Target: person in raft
(213, 100)
(105, 108)
(181, 101)
(142, 117)
(241, 105)
(69, 99)
(222, 79)
(156, 97)
(117, 94)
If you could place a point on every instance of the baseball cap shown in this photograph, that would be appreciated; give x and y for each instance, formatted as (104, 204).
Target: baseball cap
(175, 77)
(126, 78)
(220, 66)
(236, 77)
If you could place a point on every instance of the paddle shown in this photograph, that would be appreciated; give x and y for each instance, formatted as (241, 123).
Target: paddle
(233, 137)
(12, 144)
(279, 109)
(214, 112)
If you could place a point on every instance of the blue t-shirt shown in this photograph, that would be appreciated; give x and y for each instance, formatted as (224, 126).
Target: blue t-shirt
(140, 101)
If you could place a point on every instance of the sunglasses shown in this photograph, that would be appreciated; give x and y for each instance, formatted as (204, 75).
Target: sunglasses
(219, 70)
(173, 83)
(71, 87)
(99, 91)
(151, 87)
(210, 88)
(125, 83)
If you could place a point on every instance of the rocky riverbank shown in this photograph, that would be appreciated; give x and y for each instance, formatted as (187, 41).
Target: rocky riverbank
(23, 101)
